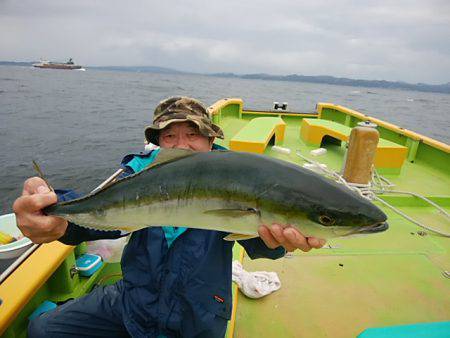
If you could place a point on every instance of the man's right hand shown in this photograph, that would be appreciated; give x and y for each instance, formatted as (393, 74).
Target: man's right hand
(31, 220)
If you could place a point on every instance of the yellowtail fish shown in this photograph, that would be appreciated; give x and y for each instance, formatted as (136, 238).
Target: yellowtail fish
(234, 192)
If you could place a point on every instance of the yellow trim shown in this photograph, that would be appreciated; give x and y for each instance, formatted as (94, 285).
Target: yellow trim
(411, 134)
(234, 310)
(17, 290)
(216, 107)
(248, 146)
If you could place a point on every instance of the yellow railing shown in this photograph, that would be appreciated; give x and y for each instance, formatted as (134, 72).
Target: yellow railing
(216, 107)
(408, 133)
(17, 290)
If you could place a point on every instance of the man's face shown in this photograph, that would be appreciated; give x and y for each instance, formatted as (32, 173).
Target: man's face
(184, 135)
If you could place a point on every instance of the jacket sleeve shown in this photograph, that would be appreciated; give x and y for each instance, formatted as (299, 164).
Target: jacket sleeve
(256, 248)
(76, 234)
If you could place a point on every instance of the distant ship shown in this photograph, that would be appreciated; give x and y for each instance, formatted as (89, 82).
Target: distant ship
(57, 65)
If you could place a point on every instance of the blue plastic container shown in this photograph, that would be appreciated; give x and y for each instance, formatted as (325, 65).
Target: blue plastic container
(44, 307)
(88, 264)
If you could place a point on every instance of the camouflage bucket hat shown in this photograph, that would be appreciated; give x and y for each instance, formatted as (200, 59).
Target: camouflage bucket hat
(181, 109)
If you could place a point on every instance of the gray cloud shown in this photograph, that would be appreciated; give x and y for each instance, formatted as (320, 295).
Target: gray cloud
(401, 40)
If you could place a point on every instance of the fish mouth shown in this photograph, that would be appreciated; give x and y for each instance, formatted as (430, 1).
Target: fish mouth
(371, 229)
(374, 228)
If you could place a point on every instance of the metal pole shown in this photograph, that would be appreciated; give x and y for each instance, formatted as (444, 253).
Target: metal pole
(107, 181)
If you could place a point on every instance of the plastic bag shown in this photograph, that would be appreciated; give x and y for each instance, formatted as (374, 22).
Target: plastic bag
(255, 284)
(110, 249)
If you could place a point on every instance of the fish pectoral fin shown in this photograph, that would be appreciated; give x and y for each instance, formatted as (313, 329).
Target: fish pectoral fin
(238, 237)
(232, 212)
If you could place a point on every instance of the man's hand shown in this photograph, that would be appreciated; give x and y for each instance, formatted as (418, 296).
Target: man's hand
(31, 221)
(288, 237)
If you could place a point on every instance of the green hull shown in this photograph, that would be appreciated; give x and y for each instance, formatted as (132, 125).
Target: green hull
(397, 277)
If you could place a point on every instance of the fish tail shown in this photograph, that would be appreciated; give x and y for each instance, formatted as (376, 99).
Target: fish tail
(37, 168)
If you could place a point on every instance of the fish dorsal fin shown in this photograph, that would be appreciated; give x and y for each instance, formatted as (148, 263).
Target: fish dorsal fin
(238, 237)
(164, 155)
(170, 155)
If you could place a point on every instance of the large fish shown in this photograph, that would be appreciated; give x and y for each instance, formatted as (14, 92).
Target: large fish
(227, 191)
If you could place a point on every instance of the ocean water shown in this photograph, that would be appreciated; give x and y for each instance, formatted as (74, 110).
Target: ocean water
(78, 125)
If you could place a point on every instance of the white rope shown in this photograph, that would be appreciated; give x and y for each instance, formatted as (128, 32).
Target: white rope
(411, 219)
(369, 191)
(445, 213)
(380, 179)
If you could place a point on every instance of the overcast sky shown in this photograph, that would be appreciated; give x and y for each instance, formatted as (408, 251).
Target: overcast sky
(392, 40)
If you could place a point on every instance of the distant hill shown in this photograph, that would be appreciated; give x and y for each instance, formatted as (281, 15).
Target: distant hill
(325, 79)
(139, 69)
(342, 81)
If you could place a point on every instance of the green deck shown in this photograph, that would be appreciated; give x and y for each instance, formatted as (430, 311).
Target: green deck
(393, 278)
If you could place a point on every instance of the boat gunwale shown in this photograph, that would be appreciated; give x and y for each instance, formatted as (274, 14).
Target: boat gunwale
(392, 127)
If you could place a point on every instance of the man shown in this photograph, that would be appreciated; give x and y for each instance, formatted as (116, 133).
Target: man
(176, 281)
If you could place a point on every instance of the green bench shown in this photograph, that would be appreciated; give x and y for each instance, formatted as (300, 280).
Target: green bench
(255, 135)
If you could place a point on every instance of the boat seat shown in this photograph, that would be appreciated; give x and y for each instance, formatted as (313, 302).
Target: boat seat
(256, 135)
(389, 157)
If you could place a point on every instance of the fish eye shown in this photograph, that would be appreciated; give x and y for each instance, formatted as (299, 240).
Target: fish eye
(326, 220)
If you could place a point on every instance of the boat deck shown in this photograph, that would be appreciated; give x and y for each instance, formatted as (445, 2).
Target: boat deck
(419, 176)
(397, 277)
(393, 278)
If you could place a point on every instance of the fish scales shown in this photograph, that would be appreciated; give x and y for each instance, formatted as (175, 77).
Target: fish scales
(227, 191)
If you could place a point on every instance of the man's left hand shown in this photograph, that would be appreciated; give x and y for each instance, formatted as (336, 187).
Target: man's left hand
(289, 237)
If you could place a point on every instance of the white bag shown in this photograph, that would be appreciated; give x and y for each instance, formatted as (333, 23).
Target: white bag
(255, 284)
(110, 249)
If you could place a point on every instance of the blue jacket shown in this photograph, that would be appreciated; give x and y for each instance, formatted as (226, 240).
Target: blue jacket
(178, 289)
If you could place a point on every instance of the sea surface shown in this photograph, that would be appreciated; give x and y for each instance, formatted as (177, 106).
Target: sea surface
(78, 125)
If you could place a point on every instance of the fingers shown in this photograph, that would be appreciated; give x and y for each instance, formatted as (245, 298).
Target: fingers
(288, 237)
(43, 229)
(267, 237)
(316, 243)
(280, 235)
(296, 240)
(277, 235)
(34, 203)
(34, 185)
(35, 225)
(31, 221)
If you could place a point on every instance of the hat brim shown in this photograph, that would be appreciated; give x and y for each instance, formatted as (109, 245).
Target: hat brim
(209, 130)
